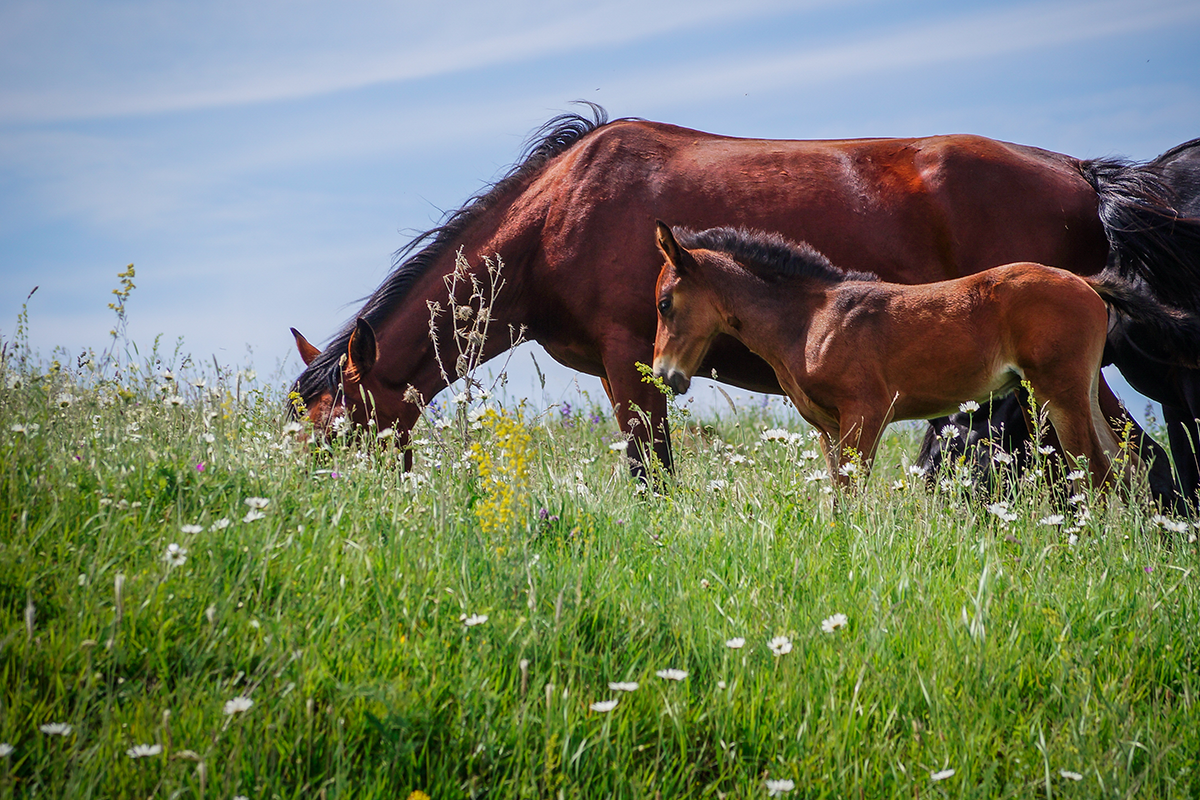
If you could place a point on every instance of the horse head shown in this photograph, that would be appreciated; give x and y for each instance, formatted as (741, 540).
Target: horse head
(688, 319)
(358, 395)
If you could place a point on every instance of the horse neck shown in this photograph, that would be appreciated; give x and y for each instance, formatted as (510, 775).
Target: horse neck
(767, 317)
(407, 353)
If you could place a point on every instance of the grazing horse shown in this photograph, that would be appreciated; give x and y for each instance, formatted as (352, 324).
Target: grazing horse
(855, 353)
(1142, 362)
(562, 220)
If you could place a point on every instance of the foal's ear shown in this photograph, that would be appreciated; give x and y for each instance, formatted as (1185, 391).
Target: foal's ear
(308, 353)
(362, 349)
(668, 246)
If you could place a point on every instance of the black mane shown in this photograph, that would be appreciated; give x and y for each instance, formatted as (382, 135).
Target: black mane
(412, 260)
(769, 254)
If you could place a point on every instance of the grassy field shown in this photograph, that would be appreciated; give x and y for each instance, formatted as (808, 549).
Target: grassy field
(195, 605)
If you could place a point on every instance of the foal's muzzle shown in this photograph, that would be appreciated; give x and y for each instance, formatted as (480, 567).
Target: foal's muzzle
(674, 378)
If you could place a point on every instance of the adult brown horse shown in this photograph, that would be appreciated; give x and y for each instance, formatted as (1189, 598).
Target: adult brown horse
(573, 224)
(855, 353)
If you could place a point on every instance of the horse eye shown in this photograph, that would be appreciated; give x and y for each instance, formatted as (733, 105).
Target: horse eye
(664, 305)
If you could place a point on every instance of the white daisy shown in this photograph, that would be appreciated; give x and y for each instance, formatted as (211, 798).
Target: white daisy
(144, 750)
(831, 624)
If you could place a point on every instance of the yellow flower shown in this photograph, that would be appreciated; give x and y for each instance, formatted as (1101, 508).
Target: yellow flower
(503, 469)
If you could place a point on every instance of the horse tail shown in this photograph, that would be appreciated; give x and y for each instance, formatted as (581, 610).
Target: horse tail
(1163, 333)
(1148, 237)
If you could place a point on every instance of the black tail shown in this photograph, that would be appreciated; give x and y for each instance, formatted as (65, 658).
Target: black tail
(1160, 332)
(1147, 235)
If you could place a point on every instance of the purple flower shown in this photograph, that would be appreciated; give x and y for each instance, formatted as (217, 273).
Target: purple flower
(199, 466)
(1149, 570)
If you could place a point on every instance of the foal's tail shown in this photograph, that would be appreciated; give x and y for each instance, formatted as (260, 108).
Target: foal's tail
(1144, 318)
(1148, 237)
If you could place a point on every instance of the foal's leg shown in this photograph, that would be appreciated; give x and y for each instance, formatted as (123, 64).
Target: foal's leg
(861, 428)
(1075, 414)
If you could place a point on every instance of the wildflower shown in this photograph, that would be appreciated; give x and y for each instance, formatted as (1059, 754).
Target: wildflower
(717, 485)
(775, 435)
(604, 706)
(5, 749)
(257, 502)
(1000, 509)
(948, 431)
(780, 646)
(1076, 499)
(209, 438)
(175, 556)
(1168, 524)
(736, 644)
(816, 475)
(620, 446)
(833, 623)
(1053, 519)
(941, 775)
(220, 524)
(144, 750)
(623, 686)
(385, 434)
(56, 729)
(172, 400)
(849, 469)
(916, 470)
(253, 515)
(473, 620)
(292, 427)
(64, 400)
(191, 528)
(777, 787)
(807, 455)
(1069, 775)
(1076, 475)
(200, 466)
(238, 705)
(1001, 457)
(1046, 450)
(672, 674)
(736, 458)
(970, 406)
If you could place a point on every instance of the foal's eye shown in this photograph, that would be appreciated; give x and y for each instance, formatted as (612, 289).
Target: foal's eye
(664, 305)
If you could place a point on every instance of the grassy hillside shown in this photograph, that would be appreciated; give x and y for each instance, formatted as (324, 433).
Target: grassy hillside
(195, 603)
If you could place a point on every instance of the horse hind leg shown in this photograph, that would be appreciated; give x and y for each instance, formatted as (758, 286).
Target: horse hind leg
(1083, 431)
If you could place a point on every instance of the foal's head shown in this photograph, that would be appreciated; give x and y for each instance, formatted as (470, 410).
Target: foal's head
(688, 314)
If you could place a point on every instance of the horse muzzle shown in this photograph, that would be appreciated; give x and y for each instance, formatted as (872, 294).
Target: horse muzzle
(676, 379)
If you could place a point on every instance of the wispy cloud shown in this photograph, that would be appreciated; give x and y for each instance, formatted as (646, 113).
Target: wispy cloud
(105, 60)
(969, 37)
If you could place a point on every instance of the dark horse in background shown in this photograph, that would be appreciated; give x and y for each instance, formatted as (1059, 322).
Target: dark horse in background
(1142, 360)
(573, 223)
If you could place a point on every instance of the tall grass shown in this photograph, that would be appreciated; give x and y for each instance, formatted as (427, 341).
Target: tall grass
(391, 634)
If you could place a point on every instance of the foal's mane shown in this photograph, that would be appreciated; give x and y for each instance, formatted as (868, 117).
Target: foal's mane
(410, 262)
(769, 255)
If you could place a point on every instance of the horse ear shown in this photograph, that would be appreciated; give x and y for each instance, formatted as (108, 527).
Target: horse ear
(362, 349)
(308, 353)
(668, 246)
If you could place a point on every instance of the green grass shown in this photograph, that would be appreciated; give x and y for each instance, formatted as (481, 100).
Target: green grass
(1002, 652)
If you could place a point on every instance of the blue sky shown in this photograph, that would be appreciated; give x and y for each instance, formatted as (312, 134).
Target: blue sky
(260, 162)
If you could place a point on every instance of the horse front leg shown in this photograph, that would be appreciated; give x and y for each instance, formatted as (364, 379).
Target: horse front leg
(1184, 437)
(641, 411)
(861, 430)
(1163, 488)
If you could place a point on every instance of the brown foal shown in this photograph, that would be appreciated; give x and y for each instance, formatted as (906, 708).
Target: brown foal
(855, 353)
